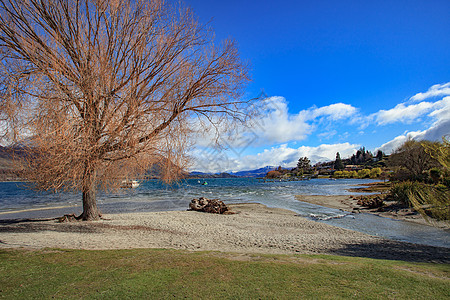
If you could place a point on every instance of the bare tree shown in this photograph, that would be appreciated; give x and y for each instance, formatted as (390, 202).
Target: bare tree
(109, 87)
(412, 157)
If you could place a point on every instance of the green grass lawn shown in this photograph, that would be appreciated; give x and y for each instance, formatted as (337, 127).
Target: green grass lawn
(161, 274)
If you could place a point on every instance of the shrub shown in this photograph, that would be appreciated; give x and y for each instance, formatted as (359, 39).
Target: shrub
(375, 172)
(364, 173)
(435, 175)
(273, 174)
(338, 174)
(346, 174)
(402, 192)
(446, 181)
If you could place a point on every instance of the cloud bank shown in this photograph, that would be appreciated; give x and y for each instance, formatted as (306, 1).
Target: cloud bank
(438, 112)
(274, 124)
(436, 90)
(283, 155)
(277, 130)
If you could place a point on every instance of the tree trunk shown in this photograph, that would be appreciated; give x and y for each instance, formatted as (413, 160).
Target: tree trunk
(90, 210)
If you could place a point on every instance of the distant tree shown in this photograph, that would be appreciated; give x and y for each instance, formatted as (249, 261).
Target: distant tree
(413, 158)
(338, 165)
(367, 156)
(380, 155)
(273, 174)
(304, 164)
(108, 88)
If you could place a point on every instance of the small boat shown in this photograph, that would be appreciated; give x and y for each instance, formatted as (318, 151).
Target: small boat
(204, 183)
(130, 184)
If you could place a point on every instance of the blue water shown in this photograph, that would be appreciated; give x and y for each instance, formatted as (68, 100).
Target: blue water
(154, 196)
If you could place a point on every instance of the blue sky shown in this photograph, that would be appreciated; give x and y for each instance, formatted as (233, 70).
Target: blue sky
(341, 74)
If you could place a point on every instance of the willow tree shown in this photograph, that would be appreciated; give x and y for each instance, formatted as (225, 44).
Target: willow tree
(109, 87)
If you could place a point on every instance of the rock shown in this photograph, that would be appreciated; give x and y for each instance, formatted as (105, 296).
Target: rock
(213, 206)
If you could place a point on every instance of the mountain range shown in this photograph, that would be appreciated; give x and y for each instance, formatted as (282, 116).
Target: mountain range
(261, 172)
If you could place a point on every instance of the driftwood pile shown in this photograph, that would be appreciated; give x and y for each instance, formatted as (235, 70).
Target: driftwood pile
(68, 218)
(370, 201)
(213, 206)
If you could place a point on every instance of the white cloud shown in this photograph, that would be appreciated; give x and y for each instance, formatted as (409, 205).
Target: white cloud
(434, 133)
(407, 113)
(438, 111)
(434, 91)
(392, 145)
(403, 113)
(276, 125)
(327, 135)
(442, 112)
(441, 127)
(337, 111)
(282, 155)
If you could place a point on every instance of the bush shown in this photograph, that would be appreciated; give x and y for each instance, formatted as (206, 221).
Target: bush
(273, 174)
(435, 175)
(346, 174)
(400, 175)
(402, 192)
(337, 174)
(364, 173)
(375, 172)
(353, 174)
(446, 181)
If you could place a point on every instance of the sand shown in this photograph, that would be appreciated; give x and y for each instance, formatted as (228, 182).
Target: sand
(254, 228)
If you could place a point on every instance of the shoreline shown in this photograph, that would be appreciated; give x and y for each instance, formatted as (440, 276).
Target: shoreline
(17, 211)
(254, 228)
(347, 203)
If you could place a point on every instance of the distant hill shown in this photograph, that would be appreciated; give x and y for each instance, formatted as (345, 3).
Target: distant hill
(9, 170)
(261, 172)
(196, 174)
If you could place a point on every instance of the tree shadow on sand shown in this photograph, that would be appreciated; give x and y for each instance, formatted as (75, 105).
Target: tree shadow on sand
(39, 225)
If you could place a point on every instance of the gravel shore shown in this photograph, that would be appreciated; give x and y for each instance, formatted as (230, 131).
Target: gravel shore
(254, 228)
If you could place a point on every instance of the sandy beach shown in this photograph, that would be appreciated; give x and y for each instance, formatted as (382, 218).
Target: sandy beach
(254, 228)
